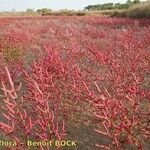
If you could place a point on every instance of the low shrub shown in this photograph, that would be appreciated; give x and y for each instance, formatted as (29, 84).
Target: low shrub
(137, 11)
(65, 13)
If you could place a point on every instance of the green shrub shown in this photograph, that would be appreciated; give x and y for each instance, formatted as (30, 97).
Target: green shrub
(44, 11)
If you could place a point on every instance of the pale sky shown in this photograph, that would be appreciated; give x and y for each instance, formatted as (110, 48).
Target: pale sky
(19, 5)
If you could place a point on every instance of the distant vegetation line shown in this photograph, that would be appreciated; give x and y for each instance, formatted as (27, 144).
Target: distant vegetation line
(130, 9)
(110, 6)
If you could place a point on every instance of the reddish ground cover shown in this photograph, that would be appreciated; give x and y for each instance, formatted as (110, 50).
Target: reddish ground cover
(75, 78)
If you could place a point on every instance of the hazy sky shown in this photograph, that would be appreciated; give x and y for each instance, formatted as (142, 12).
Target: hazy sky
(8, 5)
